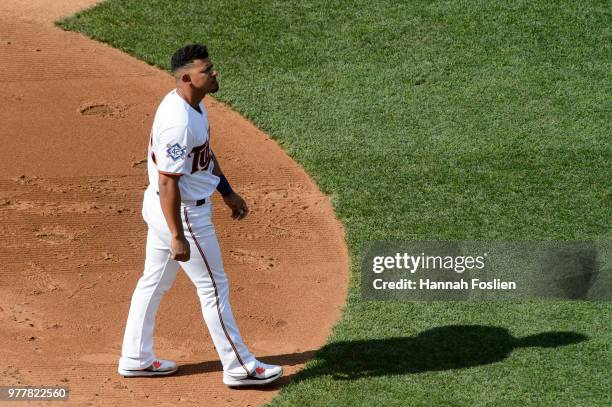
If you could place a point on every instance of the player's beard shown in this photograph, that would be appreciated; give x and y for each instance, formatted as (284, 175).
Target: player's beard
(215, 88)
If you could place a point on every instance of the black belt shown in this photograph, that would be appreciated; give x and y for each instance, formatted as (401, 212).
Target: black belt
(199, 202)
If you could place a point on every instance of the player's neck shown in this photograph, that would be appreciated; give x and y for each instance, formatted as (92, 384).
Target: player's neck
(189, 97)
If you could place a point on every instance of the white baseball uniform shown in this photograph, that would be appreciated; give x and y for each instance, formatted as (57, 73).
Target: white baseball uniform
(180, 145)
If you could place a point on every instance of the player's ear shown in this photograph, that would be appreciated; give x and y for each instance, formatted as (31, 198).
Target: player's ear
(185, 77)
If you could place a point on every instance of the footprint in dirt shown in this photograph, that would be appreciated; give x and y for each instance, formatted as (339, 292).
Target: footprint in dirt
(259, 262)
(103, 109)
(54, 235)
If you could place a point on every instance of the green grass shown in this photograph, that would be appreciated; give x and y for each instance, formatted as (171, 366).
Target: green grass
(425, 120)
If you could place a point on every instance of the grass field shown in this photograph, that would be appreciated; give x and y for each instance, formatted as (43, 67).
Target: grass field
(425, 120)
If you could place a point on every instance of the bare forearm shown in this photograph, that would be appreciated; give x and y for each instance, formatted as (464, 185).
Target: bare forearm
(216, 168)
(170, 199)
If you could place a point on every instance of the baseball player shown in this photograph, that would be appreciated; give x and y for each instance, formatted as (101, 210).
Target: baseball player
(183, 174)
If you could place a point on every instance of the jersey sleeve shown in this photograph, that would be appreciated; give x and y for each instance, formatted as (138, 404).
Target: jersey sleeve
(174, 145)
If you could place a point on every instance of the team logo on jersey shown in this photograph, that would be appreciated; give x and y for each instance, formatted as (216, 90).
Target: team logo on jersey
(176, 151)
(201, 158)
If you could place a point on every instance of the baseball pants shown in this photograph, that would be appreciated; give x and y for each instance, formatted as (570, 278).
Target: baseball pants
(204, 269)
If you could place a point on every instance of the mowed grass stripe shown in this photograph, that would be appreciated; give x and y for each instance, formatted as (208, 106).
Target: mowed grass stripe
(425, 120)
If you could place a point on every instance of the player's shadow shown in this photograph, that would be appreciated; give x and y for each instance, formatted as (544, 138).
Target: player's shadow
(441, 348)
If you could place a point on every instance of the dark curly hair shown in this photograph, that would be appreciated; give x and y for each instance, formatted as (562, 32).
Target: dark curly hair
(187, 54)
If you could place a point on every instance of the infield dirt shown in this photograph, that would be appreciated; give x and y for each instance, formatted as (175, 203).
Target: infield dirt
(75, 117)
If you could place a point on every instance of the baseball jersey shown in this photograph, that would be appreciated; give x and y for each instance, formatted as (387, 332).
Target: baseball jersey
(179, 144)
